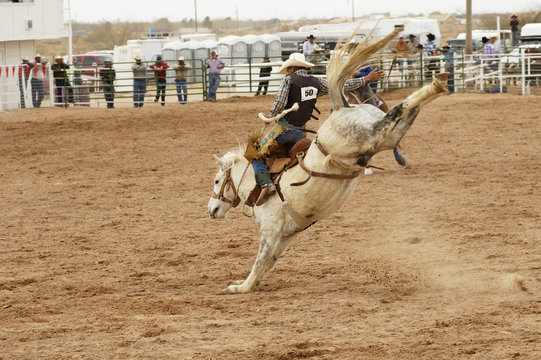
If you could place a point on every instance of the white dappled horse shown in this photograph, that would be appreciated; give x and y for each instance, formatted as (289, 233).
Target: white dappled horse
(344, 145)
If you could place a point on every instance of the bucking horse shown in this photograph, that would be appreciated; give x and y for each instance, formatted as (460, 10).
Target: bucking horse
(328, 170)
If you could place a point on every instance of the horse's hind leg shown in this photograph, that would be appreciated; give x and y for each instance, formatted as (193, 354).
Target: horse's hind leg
(270, 249)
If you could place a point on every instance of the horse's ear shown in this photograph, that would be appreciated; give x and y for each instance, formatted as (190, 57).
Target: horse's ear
(220, 162)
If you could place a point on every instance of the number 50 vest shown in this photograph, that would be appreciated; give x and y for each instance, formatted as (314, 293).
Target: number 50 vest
(304, 91)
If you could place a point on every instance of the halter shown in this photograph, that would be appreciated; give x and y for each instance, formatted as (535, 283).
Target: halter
(229, 183)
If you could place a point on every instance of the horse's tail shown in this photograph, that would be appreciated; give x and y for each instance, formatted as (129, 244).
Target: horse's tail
(343, 65)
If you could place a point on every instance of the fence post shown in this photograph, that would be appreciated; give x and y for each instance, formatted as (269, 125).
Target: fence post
(250, 72)
(52, 97)
(500, 69)
(523, 66)
(463, 70)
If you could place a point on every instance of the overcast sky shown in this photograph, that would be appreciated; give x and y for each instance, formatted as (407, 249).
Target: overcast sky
(174, 10)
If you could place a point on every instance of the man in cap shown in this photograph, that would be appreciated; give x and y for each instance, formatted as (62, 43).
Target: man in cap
(181, 78)
(215, 66)
(413, 42)
(61, 81)
(296, 87)
(24, 73)
(401, 45)
(449, 59)
(160, 73)
(139, 82)
(514, 29)
(308, 46)
(108, 76)
(37, 81)
(264, 72)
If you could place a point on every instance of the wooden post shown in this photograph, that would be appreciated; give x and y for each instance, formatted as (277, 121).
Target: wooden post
(469, 47)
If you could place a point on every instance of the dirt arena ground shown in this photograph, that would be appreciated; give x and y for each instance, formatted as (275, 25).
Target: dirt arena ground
(107, 250)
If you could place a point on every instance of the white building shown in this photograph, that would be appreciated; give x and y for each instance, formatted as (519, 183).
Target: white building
(21, 24)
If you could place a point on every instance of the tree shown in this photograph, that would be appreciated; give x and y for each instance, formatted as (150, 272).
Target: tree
(207, 22)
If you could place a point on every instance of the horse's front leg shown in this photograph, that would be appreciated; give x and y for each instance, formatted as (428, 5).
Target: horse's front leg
(270, 250)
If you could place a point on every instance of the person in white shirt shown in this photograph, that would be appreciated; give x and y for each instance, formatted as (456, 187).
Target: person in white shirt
(308, 46)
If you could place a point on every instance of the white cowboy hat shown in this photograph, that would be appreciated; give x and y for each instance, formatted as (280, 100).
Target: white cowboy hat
(180, 58)
(317, 48)
(25, 58)
(295, 59)
(37, 55)
(137, 58)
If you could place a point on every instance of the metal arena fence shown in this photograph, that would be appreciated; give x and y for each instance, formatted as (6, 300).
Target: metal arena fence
(518, 73)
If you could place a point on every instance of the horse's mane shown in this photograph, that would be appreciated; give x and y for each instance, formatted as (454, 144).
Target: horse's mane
(234, 155)
(343, 64)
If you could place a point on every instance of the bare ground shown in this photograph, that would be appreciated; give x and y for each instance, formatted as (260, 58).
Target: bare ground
(107, 250)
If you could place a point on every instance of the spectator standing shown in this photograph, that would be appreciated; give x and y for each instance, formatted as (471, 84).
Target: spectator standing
(449, 59)
(160, 73)
(139, 82)
(215, 66)
(37, 81)
(513, 24)
(61, 81)
(400, 46)
(495, 44)
(24, 73)
(412, 43)
(108, 76)
(181, 78)
(264, 72)
(308, 46)
(430, 48)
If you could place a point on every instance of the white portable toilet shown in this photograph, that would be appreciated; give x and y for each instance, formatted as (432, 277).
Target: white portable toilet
(232, 49)
(170, 50)
(273, 46)
(256, 47)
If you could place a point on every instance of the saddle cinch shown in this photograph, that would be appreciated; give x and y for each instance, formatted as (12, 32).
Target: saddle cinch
(277, 163)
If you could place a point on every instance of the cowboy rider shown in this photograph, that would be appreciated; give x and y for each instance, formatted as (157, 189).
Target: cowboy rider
(297, 87)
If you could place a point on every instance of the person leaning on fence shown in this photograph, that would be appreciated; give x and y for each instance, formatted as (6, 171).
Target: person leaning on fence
(160, 73)
(181, 78)
(61, 81)
(296, 87)
(513, 24)
(264, 72)
(449, 60)
(430, 48)
(412, 42)
(215, 66)
(308, 45)
(139, 82)
(108, 76)
(24, 73)
(37, 81)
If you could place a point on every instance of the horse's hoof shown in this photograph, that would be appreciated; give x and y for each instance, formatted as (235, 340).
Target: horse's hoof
(232, 289)
(399, 158)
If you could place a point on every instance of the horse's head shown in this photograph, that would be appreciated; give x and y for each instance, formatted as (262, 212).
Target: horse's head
(225, 195)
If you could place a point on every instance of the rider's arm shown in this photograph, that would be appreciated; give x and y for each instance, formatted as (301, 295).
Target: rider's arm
(351, 84)
(281, 97)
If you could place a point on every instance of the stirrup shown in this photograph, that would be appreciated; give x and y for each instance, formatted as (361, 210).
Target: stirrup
(266, 192)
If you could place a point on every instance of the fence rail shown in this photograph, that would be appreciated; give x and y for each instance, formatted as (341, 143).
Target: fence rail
(84, 87)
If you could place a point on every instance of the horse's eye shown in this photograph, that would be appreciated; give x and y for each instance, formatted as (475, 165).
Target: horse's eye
(216, 182)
